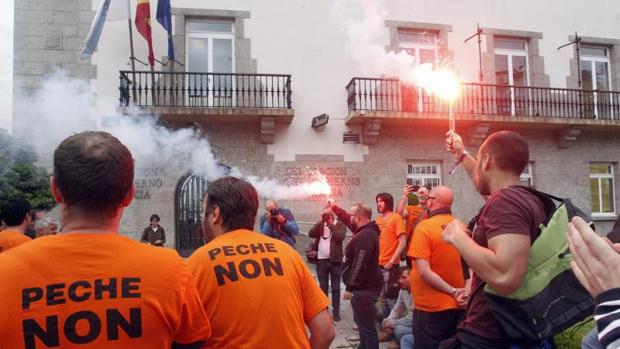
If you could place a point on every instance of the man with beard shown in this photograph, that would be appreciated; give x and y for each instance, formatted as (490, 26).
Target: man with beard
(400, 321)
(361, 273)
(257, 292)
(392, 243)
(498, 250)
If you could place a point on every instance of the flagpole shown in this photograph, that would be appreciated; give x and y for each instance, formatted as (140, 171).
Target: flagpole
(132, 57)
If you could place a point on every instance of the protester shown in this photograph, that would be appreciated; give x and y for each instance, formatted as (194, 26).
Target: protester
(595, 263)
(392, 243)
(413, 212)
(154, 234)
(399, 322)
(15, 213)
(437, 275)
(35, 215)
(279, 223)
(499, 248)
(361, 273)
(45, 226)
(328, 234)
(257, 292)
(89, 286)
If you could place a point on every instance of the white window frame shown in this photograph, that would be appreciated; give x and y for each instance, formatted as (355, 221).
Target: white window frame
(419, 46)
(423, 177)
(600, 176)
(592, 59)
(510, 53)
(210, 36)
(529, 175)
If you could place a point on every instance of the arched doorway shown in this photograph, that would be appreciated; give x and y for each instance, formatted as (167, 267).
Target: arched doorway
(190, 191)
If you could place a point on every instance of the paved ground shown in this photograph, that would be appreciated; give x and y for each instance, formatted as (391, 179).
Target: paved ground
(344, 328)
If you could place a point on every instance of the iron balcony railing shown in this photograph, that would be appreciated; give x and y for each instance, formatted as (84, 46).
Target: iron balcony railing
(204, 90)
(372, 94)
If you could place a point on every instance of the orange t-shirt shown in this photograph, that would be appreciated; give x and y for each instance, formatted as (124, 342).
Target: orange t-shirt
(444, 260)
(391, 228)
(11, 238)
(256, 291)
(415, 214)
(94, 290)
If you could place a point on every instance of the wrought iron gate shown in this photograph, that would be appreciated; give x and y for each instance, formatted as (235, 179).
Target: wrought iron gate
(188, 201)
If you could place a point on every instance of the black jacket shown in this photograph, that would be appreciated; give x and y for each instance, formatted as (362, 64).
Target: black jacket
(338, 231)
(361, 271)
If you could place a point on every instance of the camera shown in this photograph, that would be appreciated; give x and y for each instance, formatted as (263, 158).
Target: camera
(274, 212)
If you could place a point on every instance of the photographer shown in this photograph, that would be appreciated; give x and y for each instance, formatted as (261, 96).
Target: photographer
(279, 223)
(328, 234)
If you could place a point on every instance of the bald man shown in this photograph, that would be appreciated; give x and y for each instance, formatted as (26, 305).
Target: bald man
(437, 279)
(279, 223)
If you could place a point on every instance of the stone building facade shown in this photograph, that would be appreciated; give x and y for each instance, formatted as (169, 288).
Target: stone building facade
(365, 148)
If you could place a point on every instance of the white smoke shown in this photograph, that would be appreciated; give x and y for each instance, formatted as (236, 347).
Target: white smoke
(364, 23)
(63, 105)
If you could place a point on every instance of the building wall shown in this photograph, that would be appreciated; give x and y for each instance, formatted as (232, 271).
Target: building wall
(48, 35)
(307, 40)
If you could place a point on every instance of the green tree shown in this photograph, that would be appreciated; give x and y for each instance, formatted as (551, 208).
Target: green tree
(19, 174)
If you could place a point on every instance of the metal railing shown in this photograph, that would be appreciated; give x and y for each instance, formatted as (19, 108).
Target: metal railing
(204, 90)
(372, 94)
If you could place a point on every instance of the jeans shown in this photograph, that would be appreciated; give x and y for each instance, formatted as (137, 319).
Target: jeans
(400, 331)
(407, 342)
(431, 328)
(590, 340)
(326, 271)
(363, 304)
(385, 304)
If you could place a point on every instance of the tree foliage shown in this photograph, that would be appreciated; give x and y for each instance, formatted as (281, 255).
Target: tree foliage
(19, 174)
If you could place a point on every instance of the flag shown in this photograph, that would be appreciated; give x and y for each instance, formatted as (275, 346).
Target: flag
(143, 24)
(164, 18)
(90, 44)
(119, 10)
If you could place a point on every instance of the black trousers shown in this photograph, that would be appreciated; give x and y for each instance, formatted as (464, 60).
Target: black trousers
(364, 315)
(327, 270)
(430, 328)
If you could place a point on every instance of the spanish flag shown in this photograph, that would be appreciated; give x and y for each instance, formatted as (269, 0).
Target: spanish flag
(143, 24)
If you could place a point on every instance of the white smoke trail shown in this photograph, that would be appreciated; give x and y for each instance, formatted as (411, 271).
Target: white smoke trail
(63, 107)
(364, 23)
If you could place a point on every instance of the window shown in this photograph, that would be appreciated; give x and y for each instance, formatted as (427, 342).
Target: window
(420, 44)
(595, 75)
(526, 177)
(511, 69)
(602, 189)
(210, 49)
(424, 173)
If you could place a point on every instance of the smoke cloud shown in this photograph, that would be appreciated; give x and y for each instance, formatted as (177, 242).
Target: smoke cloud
(63, 106)
(364, 23)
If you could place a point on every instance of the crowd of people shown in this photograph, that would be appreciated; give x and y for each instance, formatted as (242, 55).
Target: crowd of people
(414, 274)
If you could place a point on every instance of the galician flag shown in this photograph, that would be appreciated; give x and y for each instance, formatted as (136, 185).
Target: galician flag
(112, 11)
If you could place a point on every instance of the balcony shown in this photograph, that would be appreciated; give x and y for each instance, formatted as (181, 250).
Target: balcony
(481, 106)
(186, 98)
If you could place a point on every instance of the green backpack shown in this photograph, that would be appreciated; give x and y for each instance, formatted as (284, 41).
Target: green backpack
(550, 298)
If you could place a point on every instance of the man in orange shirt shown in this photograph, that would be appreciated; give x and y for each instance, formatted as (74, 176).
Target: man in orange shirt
(412, 213)
(437, 276)
(88, 286)
(392, 242)
(256, 290)
(16, 215)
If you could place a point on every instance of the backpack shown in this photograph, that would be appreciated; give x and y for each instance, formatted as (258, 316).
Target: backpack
(550, 298)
